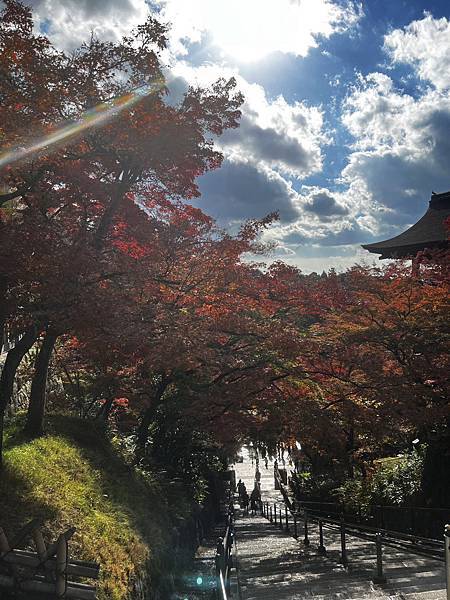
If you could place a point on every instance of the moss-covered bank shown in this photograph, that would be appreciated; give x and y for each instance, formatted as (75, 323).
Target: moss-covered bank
(73, 477)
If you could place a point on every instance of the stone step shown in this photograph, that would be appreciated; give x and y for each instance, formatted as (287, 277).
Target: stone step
(272, 565)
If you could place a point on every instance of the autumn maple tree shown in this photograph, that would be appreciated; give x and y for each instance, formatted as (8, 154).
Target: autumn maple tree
(153, 316)
(64, 204)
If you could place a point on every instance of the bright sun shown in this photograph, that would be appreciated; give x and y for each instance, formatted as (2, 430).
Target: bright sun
(248, 30)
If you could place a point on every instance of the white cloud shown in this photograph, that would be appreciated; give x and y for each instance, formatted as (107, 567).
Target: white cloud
(376, 114)
(250, 29)
(425, 44)
(68, 23)
(273, 134)
(401, 151)
(401, 148)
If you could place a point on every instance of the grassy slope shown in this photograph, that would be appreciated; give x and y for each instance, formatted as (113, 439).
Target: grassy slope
(72, 477)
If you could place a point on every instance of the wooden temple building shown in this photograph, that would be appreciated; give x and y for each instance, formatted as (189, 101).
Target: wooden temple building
(430, 232)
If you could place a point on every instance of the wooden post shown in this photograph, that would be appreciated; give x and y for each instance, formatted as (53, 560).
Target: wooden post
(271, 516)
(321, 548)
(41, 548)
(287, 518)
(275, 512)
(306, 538)
(343, 547)
(379, 576)
(295, 525)
(61, 567)
(447, 557)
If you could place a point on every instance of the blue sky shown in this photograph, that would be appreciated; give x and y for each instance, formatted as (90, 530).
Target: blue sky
(346, 125)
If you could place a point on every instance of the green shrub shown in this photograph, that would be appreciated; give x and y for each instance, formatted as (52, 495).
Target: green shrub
(397, 481)
(394, 482)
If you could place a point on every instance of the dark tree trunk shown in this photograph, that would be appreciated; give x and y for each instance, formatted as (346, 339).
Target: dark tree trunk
(110, 212)
(36, 408)
(13, 360)
(142, 432)
(3, 311)
(148, 416)
(105, 410)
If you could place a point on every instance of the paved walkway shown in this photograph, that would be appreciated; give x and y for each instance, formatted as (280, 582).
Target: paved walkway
(272, 565)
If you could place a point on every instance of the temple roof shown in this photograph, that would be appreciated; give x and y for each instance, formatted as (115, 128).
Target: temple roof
(428, 232)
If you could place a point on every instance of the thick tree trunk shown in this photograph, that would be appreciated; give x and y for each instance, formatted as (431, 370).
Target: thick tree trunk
(110, 212)
(142, 431)
(36, 408)
(147, 417)
(13, 360)
(3, 311)
(105, 410)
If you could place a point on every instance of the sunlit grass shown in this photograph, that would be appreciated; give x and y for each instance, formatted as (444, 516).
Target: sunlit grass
(72, 477)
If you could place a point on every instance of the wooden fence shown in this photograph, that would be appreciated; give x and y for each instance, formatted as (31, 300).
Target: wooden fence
(45, 571)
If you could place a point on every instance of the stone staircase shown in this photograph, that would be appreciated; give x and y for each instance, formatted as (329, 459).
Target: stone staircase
(272, 565)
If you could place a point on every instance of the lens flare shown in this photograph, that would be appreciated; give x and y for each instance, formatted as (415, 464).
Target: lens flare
(92, 118)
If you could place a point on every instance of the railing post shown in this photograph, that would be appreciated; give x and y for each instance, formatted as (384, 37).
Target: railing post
(321, 548)
(275, 512)
(447, 557)
(343, 547)
(287, 518)
(271, 516)
(306, 538)
(61, 567)
(220, 566)
(379, 576)
(295, 525)
(220, 553)
(380, 516)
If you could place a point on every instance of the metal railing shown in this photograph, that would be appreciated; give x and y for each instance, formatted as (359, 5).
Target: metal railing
(423, 521)
(447, 558)
(290, 521)
(289, 515)
(224, 560)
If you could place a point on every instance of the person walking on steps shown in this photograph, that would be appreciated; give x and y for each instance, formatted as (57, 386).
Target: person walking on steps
(240, 489)
(255, 499)
(245, 501)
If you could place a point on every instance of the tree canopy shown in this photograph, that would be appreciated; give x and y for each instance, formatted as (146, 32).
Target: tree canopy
(152, 317)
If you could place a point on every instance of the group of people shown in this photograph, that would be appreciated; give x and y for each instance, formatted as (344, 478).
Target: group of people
(254, 500)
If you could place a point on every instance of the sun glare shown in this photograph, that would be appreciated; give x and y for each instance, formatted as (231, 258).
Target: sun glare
(66, 131)
(248, 30)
